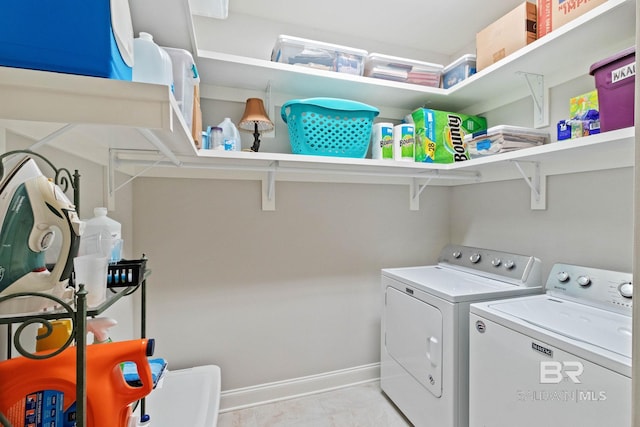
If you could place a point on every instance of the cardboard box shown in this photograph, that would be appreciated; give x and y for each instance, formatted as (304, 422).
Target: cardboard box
(440, 135)
(552, 14)
(513, 31)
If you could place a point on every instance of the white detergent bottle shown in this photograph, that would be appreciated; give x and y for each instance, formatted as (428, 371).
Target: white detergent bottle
(102, 235)
(151, 63)
(230, 135)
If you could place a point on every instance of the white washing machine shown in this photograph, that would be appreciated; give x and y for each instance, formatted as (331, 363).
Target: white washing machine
(558, 359)
(425, 327)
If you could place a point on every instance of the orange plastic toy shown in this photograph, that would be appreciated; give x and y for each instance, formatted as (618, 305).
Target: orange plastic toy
(108, 395)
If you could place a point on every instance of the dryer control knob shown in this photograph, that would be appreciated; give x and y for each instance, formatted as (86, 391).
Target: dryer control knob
(475, 258)
(562, 276)
(457, 254)
(584, 281)
(496, 262)
(509, 264)
(626, 289)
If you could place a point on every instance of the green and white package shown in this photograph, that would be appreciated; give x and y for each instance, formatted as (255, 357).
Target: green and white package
(441, 133)
(382, 141)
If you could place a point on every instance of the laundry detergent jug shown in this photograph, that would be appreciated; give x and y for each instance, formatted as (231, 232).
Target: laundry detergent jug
(44, 390)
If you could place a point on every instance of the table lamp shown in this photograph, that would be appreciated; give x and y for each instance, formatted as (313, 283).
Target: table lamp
(255, 120)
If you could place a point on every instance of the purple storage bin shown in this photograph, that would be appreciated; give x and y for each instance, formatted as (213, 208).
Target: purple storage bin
(615, 82)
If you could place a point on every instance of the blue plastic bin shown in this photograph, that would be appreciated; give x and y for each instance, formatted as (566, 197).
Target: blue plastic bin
(70, 36)
(329, 126)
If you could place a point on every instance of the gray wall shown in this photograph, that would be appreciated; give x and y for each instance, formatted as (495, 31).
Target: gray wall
(588, 220)
(272, 296)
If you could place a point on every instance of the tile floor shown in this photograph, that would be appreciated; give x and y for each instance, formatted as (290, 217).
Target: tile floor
(357, 406)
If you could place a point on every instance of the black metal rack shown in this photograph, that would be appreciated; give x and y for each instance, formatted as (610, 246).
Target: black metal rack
(126, 277)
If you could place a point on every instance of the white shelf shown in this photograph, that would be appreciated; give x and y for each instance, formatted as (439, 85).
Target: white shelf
(89, 116)
(562, 55)
(104, 111)
(571, 156)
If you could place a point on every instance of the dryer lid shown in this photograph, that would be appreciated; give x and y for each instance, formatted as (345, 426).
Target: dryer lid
(602, 328)
(454, 285)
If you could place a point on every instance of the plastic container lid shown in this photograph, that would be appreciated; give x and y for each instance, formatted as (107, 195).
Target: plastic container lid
(464, 58)
(604, 62)
(395, 61)
(284, 39)
(122, 29)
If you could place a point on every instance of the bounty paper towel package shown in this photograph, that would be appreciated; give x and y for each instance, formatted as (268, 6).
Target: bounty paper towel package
(441, 133)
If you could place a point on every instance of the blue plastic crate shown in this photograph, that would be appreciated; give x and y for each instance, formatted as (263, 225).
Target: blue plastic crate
(70, 36)
(329, 126)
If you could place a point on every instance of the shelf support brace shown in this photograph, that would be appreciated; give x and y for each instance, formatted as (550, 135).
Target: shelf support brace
(269, 188)
(111, 175)
(157, 143)
(47, 139)
(537, 184)
(415, 189)
(539, 93)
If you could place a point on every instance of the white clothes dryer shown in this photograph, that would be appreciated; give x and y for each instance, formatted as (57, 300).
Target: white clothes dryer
(558, 359)
(425, 327)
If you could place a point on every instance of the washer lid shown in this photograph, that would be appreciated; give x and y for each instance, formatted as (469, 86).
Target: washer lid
(454, 285)
(601, 328)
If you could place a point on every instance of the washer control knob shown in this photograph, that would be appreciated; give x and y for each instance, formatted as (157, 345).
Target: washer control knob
(475, 258)
(496, 262)
(584, 281)
(562, 276)
(457, 254)
(509, 264)
(626, 289)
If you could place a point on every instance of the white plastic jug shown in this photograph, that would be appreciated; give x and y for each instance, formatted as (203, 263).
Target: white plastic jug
(102, 235)
(151, 63)
(230, 135)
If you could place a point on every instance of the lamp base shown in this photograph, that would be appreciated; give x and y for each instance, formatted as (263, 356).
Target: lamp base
(256, 139)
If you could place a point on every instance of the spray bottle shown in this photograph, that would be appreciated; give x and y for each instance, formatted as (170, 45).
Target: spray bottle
(99, 327)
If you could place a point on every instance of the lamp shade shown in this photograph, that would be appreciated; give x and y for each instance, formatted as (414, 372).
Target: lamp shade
(255, 114)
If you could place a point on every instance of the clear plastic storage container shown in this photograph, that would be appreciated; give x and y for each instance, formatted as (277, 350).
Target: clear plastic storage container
(402, 70)
(319, 55)
(185, 79)
(458, 70)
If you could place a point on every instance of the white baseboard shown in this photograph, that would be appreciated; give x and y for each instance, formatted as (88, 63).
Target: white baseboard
(246, 397)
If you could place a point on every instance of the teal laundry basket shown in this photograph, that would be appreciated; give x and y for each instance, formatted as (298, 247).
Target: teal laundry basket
(329, 126)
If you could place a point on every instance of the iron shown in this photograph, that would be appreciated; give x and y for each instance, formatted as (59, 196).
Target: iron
(32, 207)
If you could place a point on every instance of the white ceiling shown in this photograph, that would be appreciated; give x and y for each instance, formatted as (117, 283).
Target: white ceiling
(444, 26)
